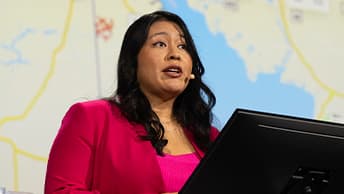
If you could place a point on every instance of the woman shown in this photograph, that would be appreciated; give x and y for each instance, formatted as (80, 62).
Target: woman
(150, 135)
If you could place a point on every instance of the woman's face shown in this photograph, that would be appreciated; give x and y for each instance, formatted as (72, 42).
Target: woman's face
(164, 65)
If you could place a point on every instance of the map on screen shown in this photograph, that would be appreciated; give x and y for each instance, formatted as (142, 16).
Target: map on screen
(281, 56)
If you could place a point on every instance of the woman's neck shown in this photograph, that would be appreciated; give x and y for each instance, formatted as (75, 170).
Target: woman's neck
(164, 109)
(164, 113)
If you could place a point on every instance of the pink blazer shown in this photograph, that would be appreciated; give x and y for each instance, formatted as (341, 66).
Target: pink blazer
(98, 151)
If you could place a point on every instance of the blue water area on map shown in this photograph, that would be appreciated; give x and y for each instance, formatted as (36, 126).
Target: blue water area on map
(226, 75)
(11, 47)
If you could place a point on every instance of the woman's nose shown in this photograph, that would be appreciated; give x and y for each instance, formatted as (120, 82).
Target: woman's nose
(173, 54)
(174, 57)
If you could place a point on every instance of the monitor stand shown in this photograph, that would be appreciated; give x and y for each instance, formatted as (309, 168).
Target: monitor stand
(307, 181)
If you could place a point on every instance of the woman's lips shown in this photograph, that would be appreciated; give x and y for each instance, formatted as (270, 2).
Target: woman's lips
(173, 71)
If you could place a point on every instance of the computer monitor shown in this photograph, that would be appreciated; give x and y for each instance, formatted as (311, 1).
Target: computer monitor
(259, 152)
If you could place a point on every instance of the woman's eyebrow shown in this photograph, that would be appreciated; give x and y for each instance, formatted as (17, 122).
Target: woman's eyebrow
(157, 34)
(165, 34)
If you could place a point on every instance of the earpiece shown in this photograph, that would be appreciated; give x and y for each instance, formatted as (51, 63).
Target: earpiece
(191, 76)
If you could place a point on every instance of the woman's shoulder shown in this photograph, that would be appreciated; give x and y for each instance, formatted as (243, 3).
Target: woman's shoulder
(214, 132)
(94, 105)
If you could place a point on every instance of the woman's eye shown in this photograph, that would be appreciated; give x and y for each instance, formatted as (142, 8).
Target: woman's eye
(182, 46)
(159, 44)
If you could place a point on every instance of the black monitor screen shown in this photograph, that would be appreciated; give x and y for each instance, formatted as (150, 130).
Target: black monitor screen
(267, 153)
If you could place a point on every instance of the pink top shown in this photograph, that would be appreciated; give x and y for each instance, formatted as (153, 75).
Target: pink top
(176, 169)
(98, 151)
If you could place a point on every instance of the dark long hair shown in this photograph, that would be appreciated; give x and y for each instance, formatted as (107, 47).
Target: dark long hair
(192, 108)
